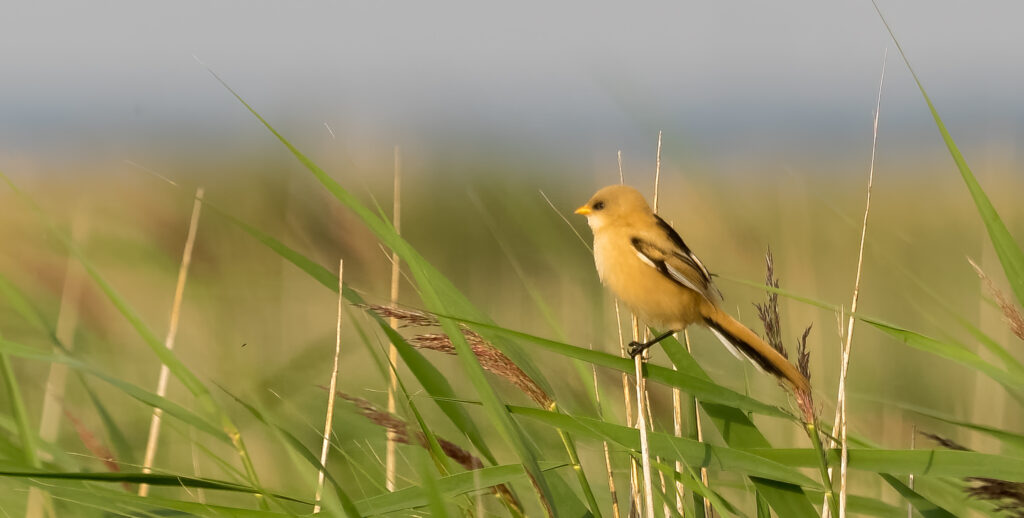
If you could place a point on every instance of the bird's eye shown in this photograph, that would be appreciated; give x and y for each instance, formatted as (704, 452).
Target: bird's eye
(599, 205)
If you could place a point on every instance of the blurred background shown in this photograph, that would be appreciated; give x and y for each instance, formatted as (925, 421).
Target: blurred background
(110, 119)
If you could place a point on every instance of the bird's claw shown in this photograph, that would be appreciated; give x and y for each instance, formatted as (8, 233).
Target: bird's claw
(636, 348)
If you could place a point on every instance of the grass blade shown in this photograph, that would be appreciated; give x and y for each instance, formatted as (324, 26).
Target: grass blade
(166, 356)
(669, 446)
(450, 486)
(187, 416)
(25, 433)
(739, 431)
(429, 376)
(1009, 252)
(936, 463)
(153, 479)
(702, 388)
(922, 504)
(440, 296)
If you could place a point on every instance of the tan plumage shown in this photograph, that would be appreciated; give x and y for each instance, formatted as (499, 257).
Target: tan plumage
(648, 266)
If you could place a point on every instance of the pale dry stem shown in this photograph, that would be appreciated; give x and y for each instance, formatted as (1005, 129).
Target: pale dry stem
(841, 418)
(172, 331)
(641, 423)
(643, 408)
(634, 468)
(700, 435)
(56, 380)
(622, 178)
(329, 419)
(389, 452)
(607, 451)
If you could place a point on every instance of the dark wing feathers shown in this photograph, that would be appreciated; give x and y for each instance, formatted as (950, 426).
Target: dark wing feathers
(684, 252)
(679, 264)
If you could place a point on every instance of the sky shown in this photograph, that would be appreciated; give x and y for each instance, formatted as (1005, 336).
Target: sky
(111, 76)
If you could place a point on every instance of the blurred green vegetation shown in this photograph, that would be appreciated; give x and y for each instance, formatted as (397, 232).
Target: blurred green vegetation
(263, 330)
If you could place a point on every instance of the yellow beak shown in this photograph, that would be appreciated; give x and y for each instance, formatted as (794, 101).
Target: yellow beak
(583, 211)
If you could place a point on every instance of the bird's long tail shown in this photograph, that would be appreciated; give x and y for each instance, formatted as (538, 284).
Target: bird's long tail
(741, 340)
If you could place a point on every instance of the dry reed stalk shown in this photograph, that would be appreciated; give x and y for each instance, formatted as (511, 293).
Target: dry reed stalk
(67, 322)
(329, 420)
(700, 434)
(641, 381)
(607, 451)
(641, 422)
(622, 178)
(841, 420)
(677, 409)
(1013, 316)
(677, 429)
(634, 468)
(56, 379)
(172, 332)
(389, 453)
(657, 173)
(399, 429)
(666, 510)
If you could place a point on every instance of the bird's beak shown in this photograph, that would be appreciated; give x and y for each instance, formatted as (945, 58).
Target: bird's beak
(583, 211)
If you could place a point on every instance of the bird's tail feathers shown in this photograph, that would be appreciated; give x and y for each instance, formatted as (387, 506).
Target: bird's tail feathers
(742, 342)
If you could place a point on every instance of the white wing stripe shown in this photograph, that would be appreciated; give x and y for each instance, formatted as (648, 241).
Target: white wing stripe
(735, 351)
(677, 275)
(645, 259)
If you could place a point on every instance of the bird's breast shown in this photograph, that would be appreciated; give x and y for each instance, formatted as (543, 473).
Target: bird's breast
(638, 284)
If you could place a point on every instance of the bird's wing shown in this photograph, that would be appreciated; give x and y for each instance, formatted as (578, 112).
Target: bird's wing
(682, 250)
(676, 262)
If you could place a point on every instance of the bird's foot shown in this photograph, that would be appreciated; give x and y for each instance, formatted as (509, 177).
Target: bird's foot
(636, 348)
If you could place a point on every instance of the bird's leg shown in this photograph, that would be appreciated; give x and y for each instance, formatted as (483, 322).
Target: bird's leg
(636, 348)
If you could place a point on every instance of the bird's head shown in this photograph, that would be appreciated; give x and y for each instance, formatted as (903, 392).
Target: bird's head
(614, 204)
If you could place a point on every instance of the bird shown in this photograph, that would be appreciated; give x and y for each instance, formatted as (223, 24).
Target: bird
(647, 265)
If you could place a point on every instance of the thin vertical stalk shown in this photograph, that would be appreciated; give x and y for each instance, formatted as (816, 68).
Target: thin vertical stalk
(650, 424)
(622, 178)
(56, 379)
(677, 410)
(841, 420)
(641, 381)
(634, 469)
(677, 429)
(389, 455)
(657, 173)
(641, 423)
(329, 420)
(607, 451)
(700, 434)
(172, 332)
(830, 496)
(67, 322)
